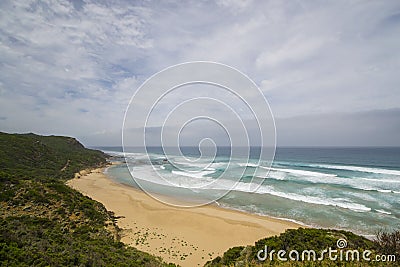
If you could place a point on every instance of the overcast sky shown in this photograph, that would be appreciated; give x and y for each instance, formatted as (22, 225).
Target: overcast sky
(330, 70)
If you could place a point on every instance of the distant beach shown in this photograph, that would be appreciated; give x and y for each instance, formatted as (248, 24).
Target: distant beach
(188, 237)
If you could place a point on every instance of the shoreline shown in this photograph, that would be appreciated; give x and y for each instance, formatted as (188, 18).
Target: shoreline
(216, 204)
(188, 237)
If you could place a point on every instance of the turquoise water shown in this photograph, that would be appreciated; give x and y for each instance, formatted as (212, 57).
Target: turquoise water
(356, 189)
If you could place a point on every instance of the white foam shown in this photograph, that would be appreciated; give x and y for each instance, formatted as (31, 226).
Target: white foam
(219, 164)
(248, 164)
(204, 183)
(384, 190)
(162, 167)
(190, 164)
(180, 180)
(335, 180)
(382, 180)
(313, 177)
(302, 172)
(249, 187)
(193, 174)
(358, 169)
(275, 176)
(317, 200)
(292, 171)
(351, 182)
(384, 212)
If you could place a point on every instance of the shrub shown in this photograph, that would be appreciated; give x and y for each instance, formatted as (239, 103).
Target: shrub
(388, 243)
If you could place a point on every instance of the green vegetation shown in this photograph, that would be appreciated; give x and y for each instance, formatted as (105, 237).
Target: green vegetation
(389, 243)
(34, 156)
(43, 222)
(310, 239)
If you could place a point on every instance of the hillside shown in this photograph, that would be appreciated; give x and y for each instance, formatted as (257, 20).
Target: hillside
(35, 156)
(306, 239)
(43, 222)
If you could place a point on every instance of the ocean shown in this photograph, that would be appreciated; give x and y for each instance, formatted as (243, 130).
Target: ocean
(355, 189)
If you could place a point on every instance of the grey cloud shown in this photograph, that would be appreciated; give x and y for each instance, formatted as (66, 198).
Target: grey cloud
(370, 128)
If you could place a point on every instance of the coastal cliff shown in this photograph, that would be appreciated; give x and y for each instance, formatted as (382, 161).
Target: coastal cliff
(43, 222)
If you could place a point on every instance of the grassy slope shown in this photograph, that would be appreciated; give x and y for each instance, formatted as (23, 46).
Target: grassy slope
(33, 156)
(307, 239)
(43, 222)
(293, 239)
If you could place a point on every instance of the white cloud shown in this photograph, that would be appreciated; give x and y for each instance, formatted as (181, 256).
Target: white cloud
(72, 66)
(296, 49)
(235, 5)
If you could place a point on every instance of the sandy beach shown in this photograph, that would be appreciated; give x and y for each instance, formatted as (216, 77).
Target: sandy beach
(188, 237)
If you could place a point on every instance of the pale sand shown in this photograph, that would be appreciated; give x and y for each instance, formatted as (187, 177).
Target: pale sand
(188, 237)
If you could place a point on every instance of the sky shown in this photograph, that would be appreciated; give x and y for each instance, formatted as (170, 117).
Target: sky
(328, 69)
